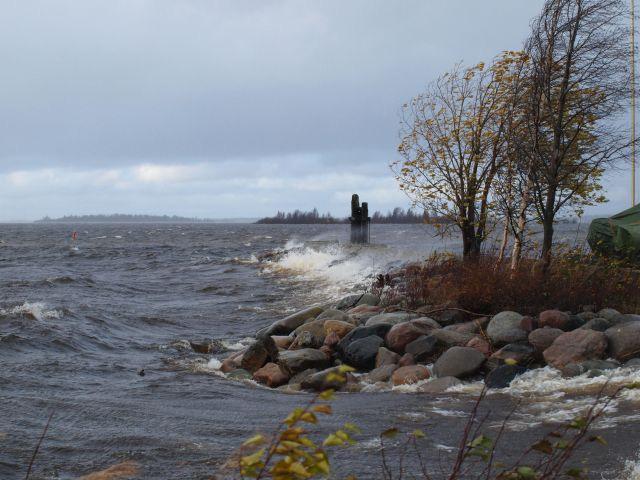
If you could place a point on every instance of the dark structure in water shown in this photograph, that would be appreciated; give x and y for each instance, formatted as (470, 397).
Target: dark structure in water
(359, 220)
(618, 236)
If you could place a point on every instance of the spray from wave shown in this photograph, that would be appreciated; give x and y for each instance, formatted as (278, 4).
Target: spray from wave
(37, 311)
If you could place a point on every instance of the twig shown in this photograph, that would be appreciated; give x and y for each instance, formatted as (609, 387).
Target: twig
(35, 451)
(437, 310)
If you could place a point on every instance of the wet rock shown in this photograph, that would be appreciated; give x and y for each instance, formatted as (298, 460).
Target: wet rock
(522, 355)
(331, 340)
(362, 313)
(337, 326)
(260, 352)
(543, 338)
(473, 327)
(505, 328)
(594, 368)
(390, 318)
(459, 362)
(328, 351)
(598, 324)
(322, 380)
(575, 347)
(239, 374)
(232, 362)
(402, 334)
(316, 327)
(290, 323)
(624, 341)
(271, 375)
(439, 385)
(362, 332)
(369, 299)
(295, 361)
(348, 302)
(361, 354)
(410, 375)
(424, 348)
(380, 374)
(406, 360)
(206, 347)
(282, 341)
(502, 376)
(426, 322)
(481, 345)
(633, 363)
(333, 314)
(302, 376)
(386, 357)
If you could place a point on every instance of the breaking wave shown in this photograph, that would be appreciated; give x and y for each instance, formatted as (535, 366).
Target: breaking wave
(37, 311)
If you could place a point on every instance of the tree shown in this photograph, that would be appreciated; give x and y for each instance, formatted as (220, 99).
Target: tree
(577, 86)
(452, 142)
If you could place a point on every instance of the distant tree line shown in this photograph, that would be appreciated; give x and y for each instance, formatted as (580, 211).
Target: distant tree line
(396, 216)
(122, 218)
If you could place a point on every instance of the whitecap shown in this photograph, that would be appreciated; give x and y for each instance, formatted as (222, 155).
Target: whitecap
(37, 310)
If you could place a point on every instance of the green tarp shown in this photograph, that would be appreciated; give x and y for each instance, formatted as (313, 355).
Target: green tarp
(617, 236)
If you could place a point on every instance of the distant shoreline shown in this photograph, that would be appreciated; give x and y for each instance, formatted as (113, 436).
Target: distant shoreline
(131, 219)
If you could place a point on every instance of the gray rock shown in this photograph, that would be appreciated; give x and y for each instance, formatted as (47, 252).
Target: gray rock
(333, 314)
(450, 317)
(543, 338)
(300, 377)
(424, 348)
(260, 352)
(502, 376)
(624, 341)
(319, 381)
(576, 346)
(361, 354)
(633, 363)
(608, 313)
(290, 323)
(586, 316)
(386, 357)
(296, 361)
(348, 302)
(390, 318)
(361, 332)
(380, 374)
(598, 324)
(459, 362)
(522, 355)
(316, 327)
(426, 322)
(449, 338)
(369, 299)
(594, 368)
(505, 328)
(307, 339)
(439, 385)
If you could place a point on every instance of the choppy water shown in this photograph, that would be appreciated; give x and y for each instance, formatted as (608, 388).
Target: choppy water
(78, 321)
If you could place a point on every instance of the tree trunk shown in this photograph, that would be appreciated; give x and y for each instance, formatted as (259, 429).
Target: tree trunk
(516, 253)
(505, 241)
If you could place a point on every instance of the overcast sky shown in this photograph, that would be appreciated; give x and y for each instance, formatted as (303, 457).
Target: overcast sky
(224, 108)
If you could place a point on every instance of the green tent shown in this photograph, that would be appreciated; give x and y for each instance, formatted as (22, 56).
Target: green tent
(617, 236)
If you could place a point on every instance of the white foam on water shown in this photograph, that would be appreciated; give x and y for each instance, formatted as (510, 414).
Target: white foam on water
(214, 364)
(37, 310)
(631, 470)
(235, 345)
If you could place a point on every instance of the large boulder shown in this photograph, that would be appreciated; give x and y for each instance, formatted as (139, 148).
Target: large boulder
(333, 314)
(404, 333)
(263, 350)
(593, 368)
(338, 326)
(480, 344)
(282, 341)
(502, 376)
(362, 353)
(624, 341)
(473, 326)
(406, 360)
(362, 313)
(451, 316)
(390, 318)
(576, 347)
(362, 332)
(316, 327)
(424, 348)
(295, 361)
(543, 338)
(459, 362)
(271, 375)
(439, 385)
(348, 302)
(386, 357)
(331, 340)
(505, 328)
(302, 376)
(290, 323)
(513, 353)
(609, 314)
(368, 299)
(410, 375)
(232, 362)
(306, 339)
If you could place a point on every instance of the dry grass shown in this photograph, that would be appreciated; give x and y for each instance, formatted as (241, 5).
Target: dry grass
(575, 280)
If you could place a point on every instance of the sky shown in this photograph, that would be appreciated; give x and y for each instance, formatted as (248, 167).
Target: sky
(232, 108)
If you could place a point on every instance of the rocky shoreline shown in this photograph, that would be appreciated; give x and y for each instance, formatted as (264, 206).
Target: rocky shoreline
(430, 348)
